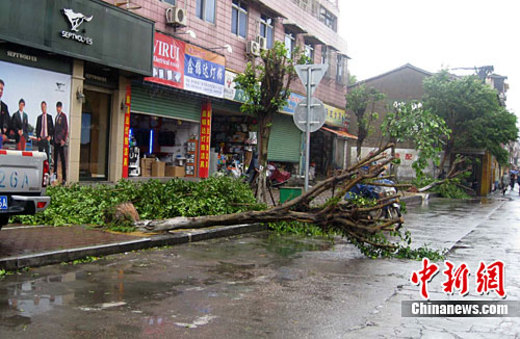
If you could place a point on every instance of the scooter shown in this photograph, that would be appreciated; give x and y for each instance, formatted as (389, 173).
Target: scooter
(276, 176)
(391, 211)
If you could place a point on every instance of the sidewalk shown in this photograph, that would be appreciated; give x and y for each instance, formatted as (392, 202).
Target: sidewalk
(30, 246)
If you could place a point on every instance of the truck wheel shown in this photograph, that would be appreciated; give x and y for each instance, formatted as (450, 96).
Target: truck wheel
(4, 219)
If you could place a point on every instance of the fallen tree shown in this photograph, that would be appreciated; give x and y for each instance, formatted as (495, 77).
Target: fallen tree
(349, 218)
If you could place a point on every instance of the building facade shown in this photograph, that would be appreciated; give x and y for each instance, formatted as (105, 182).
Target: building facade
(190, 100)
(401, 84)
(83, 54)
(147, 85)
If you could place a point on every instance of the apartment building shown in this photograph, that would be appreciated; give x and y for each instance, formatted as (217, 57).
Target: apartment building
(153, 79)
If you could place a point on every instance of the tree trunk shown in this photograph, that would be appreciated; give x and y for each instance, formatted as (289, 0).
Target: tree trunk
(355, 221)
(265, 124)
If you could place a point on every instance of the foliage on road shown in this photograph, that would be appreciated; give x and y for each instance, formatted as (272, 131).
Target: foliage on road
(472, 112)
(449, 188)
(89, 205)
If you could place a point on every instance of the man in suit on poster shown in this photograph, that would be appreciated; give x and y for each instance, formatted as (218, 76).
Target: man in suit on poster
(20, 125)
(4, 116)
(44, 130)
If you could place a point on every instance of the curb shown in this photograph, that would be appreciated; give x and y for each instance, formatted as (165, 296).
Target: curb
(173, 238)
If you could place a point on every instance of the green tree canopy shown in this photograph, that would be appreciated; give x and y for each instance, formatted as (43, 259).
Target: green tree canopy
(472, 112)
(358, 100)
(408, 121)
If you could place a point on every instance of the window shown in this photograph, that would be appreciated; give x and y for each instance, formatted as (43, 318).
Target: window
(239, 18)
(206, 10)
(324, 54)
(328, 19)
(266, 29)
(309, 53)
(171, 2)
(340, 69)
(289, 43)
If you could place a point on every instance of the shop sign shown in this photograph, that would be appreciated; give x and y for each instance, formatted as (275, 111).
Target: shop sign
(89, 30)
(168, 61)
(205, 138)
(335, 116)
(204, 71)
(75, 20)
(230, 92)
(292, 102)
(126, 142)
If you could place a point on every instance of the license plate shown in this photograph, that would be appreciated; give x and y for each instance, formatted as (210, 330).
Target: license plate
(3, 202)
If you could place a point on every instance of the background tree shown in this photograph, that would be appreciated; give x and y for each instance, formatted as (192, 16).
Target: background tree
(359, 99)
(472, 112)
(267, 87)
(409, 121)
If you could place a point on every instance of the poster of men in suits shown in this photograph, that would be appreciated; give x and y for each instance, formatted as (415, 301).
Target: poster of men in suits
(28, 98)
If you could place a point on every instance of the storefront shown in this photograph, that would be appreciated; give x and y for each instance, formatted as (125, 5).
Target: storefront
(171, 112)
(70, 51)
(329, 145)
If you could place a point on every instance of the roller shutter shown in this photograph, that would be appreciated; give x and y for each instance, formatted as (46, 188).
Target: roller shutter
(285, 140)
(168, 105)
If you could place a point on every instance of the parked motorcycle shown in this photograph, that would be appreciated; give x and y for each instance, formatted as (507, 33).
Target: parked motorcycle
(277, 176)
(391, 211)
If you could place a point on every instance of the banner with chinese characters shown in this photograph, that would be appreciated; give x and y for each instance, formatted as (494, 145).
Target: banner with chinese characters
(168, 61)
(204, 71)
(126, 142)
(205, 139)
(335, 116)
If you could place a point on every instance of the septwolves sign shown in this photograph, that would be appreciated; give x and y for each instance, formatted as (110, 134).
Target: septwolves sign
(91, 30)
(76, 19)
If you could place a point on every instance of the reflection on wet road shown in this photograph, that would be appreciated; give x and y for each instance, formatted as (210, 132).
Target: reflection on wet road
(260, 285)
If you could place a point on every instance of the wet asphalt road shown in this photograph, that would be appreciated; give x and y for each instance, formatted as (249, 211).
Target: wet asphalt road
(265, 285)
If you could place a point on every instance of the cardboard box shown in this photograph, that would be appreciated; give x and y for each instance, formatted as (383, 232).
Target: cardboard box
(158, 169)
(146, 167)
(175, 171)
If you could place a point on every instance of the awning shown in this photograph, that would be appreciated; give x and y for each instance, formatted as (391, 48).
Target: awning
(312, 39)
(294, 27)
(340, 133)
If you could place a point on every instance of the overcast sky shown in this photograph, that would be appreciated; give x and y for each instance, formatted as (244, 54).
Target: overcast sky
(383, 35)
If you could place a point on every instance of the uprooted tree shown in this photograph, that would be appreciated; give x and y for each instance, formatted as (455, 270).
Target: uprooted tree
(354, 219)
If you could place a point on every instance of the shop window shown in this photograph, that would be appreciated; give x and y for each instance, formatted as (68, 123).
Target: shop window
(205, 10)
(340, 69)
(266, 29)
(328, 19)
(239, 18)
(324, 54)
(171, 2)
(309, 52)
(290, 42)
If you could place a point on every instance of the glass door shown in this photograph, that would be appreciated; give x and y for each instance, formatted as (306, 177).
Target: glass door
(95, 122)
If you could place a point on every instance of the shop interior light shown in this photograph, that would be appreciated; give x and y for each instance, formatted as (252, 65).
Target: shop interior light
(150, 149)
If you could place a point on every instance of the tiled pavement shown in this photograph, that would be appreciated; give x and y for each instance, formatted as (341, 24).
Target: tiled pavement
(15, 241)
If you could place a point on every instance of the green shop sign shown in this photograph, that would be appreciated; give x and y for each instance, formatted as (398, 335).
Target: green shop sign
(91, 30)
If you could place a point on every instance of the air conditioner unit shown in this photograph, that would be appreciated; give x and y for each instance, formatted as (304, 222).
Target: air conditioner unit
(253, 48)
(261, 41)
(176, 16)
